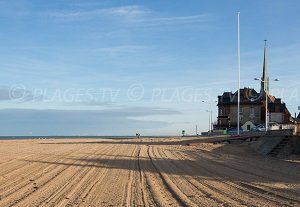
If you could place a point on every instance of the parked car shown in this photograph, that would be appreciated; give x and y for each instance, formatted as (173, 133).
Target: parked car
(259, 128)
(262, 127)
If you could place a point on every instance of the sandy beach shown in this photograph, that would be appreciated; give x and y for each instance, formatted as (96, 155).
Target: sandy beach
(146, 172)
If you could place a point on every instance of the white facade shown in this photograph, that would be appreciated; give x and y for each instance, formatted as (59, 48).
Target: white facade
(248, 126)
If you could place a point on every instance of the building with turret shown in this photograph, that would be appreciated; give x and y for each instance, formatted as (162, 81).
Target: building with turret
(252, 105)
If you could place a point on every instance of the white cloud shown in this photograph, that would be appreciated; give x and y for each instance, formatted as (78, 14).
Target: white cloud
(127, 11)
(174, 20)
(123, 11)
(133, 14)
(121, 49)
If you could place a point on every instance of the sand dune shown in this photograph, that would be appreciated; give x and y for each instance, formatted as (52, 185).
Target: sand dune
(90, 172)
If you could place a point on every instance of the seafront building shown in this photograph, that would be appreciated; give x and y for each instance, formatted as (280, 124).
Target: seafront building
(252, 106)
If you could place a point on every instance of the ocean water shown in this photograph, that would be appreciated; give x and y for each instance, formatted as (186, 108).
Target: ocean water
(63, 137)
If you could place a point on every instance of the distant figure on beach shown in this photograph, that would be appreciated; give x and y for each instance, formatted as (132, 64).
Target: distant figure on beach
(138, 135)
(183, 133)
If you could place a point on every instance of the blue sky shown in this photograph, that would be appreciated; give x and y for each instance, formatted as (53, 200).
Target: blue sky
(121, 67)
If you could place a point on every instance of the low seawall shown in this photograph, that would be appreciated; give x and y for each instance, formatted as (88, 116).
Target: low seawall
(277, 146)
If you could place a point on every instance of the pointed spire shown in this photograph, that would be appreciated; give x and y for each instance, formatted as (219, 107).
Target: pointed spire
(265, 77)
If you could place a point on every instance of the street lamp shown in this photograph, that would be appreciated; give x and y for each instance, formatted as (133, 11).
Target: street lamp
(210, 128)
(266, 91)
(209, 122)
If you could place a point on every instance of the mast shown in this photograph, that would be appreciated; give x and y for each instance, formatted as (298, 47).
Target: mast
(239, 76)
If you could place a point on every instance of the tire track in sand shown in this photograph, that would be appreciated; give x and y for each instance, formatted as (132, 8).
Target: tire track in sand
(109, 188)
(56, 190)
(179, 196)
(219, 195)
(38, 181)
(135, 192)
(271, 198)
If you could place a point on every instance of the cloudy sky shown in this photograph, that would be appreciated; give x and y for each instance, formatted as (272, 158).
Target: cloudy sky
(120, 67)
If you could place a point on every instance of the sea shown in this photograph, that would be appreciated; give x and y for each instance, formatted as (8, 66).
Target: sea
(77, 137)
(64, 137)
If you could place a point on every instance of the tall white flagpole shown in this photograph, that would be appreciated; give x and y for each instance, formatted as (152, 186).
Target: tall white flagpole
(239, 76)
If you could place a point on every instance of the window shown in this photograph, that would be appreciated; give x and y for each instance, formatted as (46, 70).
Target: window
(251, 111)
(221, 112)
(241, 110)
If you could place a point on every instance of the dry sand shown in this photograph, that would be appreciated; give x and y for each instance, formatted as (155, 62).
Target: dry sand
(129, 173)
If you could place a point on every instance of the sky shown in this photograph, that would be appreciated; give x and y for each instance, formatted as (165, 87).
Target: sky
(120, 67)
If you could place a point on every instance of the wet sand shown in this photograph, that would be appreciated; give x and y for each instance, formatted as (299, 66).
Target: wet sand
(147, 172)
